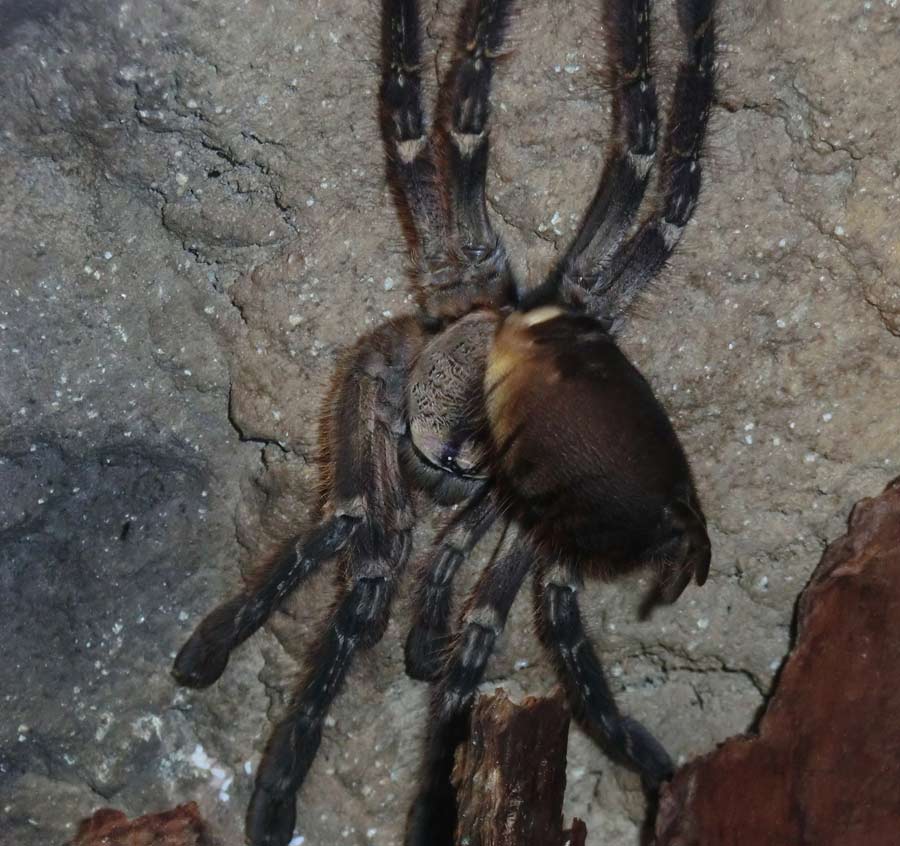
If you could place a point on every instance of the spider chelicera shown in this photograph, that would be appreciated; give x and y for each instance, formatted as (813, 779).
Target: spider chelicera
(511, 401)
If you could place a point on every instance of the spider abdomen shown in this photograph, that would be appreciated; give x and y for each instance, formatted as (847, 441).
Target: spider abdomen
(585, 449)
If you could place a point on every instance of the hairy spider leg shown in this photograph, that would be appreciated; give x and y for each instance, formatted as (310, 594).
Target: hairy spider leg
(463, 129)
(562, 632)
(437, 178)
(432, 817)
(365, 422)
(640, 258)
(368, 520)
(429, 635)
(409, 155)
(358, 620)
(203, 658)
(630, 155)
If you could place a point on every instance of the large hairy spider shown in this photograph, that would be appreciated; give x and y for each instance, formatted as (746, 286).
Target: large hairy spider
(514, 402)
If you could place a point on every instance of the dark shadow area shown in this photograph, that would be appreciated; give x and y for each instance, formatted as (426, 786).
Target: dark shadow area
(15, 13)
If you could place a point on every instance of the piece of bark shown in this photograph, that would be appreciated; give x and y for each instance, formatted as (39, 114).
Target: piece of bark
(825, 767)
(577, 835)
(181, 826)
(510, 776)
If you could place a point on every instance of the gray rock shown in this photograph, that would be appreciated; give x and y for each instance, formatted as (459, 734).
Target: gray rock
(193, 224)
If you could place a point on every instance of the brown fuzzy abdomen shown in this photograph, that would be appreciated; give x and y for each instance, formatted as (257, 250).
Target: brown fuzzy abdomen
(586, 452)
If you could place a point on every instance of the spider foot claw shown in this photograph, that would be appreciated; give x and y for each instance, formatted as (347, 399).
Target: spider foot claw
(696, 554)
(204, 657)
(271, 817)
(647, 754)
(200, 661)
(424, 653)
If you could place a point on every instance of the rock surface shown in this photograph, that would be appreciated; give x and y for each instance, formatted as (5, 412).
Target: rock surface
(193, 223)
(824, 768)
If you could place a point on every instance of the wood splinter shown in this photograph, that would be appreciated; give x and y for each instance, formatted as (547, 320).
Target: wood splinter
(510, 776)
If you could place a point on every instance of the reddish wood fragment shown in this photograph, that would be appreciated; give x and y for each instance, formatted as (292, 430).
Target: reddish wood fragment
(181, 826)
(578, 833)
(825, 768)
(511, 775)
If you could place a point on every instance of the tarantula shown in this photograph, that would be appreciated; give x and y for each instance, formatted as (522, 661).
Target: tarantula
(514, 403)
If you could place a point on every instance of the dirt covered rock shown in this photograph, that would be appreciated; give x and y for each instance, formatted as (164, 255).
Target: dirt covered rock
(193, 224)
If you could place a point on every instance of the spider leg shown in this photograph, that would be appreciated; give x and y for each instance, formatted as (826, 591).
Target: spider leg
(632, 151)
(368, 519)
(409, 154)
(365, 422)
(203, 658)
(358, 620)
(437, 178)
(641, 257)
(463, 132)
(428, 636)
(432, 817)
(562, 632)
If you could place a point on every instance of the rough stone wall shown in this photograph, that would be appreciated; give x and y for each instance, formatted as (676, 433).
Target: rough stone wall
(193, 224)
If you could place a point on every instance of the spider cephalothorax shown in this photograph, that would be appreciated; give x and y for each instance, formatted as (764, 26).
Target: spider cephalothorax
(513, 402)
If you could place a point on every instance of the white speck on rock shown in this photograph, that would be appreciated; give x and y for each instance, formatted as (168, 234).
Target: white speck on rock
(147, 726)
(200, 759)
